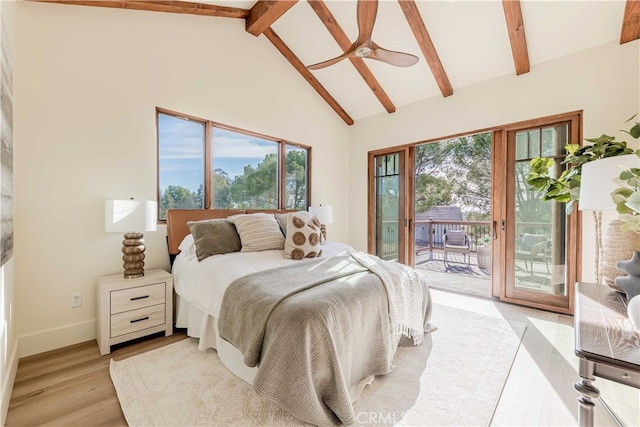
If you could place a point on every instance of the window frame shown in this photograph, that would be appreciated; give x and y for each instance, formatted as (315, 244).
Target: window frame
(208, 159)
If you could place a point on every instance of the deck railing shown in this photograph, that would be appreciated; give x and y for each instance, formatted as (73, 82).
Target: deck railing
(429, 234)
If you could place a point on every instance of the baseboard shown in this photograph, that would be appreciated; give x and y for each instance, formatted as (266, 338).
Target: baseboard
(51, 339)
(7, 382)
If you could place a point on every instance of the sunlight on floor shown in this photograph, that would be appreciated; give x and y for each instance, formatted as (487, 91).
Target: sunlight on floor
(544, 369)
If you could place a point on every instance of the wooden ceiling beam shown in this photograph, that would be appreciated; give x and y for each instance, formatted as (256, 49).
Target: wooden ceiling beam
(304, 72)
(515, 27)
(411, 12)
(327, 18)
(265, 12)
(630, 22)
(184, 7)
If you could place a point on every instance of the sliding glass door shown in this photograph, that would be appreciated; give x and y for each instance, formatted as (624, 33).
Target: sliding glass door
(525, 249)
(540, 237)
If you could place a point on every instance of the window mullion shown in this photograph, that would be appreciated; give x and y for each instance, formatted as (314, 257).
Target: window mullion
(282, 174)
(208, 166)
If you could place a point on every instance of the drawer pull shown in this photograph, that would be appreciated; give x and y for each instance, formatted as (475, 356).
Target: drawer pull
(137, 298)
(140, 320)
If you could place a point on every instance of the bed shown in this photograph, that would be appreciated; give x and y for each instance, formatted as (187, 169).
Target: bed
(322, 329)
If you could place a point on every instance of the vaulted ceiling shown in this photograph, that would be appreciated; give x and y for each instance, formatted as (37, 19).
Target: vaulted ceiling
(458, 43)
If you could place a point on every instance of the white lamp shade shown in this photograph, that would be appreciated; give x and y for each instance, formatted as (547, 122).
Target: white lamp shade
(324, 213)
(130, 215)
(597, 181)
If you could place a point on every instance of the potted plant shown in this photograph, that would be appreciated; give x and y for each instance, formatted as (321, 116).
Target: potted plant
(627, 198)
(484, 252)
(566, 188)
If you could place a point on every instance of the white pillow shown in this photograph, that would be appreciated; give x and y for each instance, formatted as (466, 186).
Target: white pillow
(258, 232)
(303, 238)
(188, 246)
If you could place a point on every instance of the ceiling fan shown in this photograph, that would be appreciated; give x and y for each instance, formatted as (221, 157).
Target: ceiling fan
(364, 47)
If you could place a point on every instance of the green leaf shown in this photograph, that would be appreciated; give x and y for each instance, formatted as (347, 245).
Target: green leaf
(626, 175)
(572, 148)
(633, 202)
(623, 209)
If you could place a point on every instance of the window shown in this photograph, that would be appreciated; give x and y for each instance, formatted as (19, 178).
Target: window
(203, 165)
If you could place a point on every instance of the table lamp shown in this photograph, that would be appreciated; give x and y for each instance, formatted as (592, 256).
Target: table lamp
(131, 217)
(325, 216)
(597, 183)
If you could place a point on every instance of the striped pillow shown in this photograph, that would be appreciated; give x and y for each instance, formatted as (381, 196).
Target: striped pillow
(258, 232)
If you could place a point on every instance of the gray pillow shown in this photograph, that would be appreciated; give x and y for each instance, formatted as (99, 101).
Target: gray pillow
(214, 237)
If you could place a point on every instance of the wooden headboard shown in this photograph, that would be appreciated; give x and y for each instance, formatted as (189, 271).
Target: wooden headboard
(177, 219)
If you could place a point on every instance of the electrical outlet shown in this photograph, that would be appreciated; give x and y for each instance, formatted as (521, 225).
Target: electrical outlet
(76, 299)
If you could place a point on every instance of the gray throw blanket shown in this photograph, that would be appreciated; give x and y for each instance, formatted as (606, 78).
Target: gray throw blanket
(316, 347)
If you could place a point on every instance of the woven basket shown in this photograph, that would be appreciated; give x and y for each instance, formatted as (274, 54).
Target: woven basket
(618, 246)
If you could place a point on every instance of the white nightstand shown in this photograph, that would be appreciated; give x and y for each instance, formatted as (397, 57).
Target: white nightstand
(133, 308)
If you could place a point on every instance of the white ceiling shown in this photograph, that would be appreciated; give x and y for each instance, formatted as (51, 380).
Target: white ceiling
(470, 37)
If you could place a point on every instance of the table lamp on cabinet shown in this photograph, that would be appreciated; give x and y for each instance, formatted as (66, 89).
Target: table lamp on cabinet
(131, 217)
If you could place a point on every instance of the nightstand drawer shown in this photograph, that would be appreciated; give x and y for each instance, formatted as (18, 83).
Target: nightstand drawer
(136, 320)
(138, 297)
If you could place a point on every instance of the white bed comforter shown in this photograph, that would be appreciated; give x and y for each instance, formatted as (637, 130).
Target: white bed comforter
(203, 284)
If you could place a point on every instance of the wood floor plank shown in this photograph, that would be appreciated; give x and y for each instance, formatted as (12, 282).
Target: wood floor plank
(72, 386)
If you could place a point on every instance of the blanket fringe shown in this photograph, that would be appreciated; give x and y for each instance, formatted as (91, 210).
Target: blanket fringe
(417, 335)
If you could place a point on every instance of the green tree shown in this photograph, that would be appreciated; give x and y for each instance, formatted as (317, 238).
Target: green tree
(296, 180)
(221, 189)
(431, 191)
(178, 197)
(256, 188)
(469, 172)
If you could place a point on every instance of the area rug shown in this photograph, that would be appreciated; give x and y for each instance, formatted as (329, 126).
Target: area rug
(454, 378)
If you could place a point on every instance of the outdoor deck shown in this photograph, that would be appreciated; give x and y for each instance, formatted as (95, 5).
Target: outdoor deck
(458, 276)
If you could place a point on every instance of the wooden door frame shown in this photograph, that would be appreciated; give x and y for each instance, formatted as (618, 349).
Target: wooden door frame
(573, 236)
(406, 252)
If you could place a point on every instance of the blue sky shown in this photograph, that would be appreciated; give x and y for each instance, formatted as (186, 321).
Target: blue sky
(181, 151)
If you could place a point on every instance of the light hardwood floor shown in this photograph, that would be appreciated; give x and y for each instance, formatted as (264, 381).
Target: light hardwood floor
(72, 386)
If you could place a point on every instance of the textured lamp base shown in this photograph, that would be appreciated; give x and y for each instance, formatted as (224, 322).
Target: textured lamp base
(133, 250)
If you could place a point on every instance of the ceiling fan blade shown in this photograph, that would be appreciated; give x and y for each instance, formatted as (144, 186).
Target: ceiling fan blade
(399, 59)
(367, 10)
(319, 65)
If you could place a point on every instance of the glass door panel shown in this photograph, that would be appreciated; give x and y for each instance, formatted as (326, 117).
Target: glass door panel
(536, 231)
(388, 213)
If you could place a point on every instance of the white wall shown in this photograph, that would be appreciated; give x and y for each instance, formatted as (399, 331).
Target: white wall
(602, 81)
(89, 80)
(8, 329)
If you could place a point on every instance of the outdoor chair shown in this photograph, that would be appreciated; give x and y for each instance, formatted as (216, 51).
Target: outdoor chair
(532, 247)
(457, 241)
